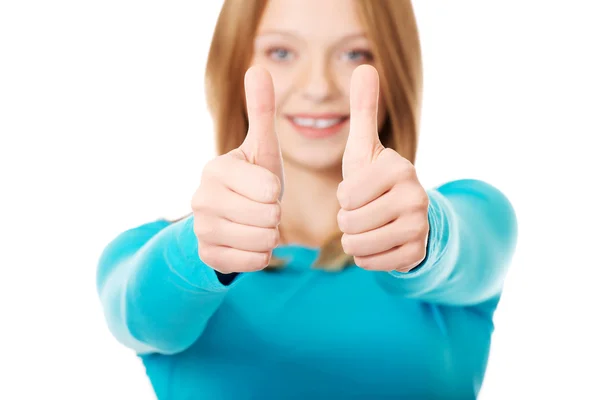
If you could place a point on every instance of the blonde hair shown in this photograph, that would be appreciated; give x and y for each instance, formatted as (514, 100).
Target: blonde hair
(392, 30)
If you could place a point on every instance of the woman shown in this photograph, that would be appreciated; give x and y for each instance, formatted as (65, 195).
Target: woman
(344, 278)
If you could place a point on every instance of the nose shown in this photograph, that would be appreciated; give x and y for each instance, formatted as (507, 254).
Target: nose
(318, 83)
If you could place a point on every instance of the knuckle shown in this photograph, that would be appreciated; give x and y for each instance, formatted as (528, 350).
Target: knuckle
(209, 255)
(274, 214)
(415, 253)
(272, 188)
(212, 167)
(422, 255)
(364, 263)
(272, 238)
(398, 170)
(390, 153)
(348, 244)
(267, 193)
(403, 169)
(263, 259)
(199, 199)
(278, 187)
(197, 226)
(417, 229)
(424, 227)
(343, 196)
(404, 269)
(342, 219)
(421, 200)
(407, 267)
(258, 261)
(195, 201)
(411, 231)
(202, 228)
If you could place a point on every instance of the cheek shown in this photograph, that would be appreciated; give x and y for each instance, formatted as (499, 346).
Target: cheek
(341, 80)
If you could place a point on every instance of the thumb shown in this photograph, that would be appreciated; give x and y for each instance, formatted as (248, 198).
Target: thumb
(363, 143)
(261, 146)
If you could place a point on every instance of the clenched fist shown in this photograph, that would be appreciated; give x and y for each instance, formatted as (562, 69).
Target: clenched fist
(237, 205)
(384, 208)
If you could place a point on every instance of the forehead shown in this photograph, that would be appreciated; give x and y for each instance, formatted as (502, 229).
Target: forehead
(313, 19)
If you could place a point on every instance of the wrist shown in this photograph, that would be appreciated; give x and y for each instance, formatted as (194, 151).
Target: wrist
(184, 260)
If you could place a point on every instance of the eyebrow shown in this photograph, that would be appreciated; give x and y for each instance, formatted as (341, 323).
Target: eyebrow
(296, 34)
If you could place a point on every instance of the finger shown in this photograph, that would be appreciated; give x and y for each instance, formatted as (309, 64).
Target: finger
(373, 215)
(402, 200)
(396, 233)
(227, 259)
(251, 181)
(363, 140)
(402, 258)
(374, 180)
(219, 231)
(261, 146)
(236, 208)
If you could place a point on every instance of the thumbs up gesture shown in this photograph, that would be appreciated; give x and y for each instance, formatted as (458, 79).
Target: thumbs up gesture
(237, 205)
(384, 208)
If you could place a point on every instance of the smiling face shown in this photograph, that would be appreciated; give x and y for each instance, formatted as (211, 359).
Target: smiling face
(311, 48)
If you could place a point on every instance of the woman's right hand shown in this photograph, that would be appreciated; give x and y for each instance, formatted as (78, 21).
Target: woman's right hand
(237, 206)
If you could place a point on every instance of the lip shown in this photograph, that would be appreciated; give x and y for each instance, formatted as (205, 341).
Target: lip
(322, 115)
(317, 133)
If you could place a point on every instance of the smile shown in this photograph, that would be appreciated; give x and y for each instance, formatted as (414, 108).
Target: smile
(318, 126)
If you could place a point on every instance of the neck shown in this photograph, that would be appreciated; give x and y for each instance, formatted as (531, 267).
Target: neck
(309, 205)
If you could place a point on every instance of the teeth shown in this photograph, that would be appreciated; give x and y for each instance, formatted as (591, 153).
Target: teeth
(304, 121)
(319, 123)
(326, 123)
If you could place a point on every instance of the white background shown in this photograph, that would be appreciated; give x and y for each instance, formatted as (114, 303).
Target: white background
(103, 126)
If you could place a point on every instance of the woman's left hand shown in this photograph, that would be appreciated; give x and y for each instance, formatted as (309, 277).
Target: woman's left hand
(384, 208)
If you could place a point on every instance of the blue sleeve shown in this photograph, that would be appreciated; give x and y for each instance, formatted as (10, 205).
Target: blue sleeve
(472, 238)
(156, 293)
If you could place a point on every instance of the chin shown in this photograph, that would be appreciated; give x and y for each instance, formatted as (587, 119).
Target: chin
(321, 154)
(324, 159)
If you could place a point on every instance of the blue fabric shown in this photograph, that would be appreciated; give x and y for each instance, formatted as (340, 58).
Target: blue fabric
(303, 333)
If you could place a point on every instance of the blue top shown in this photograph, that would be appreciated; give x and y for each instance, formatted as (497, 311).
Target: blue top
(303, 333)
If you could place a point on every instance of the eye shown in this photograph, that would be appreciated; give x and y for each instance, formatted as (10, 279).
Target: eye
(358, 55)
(279, 54)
